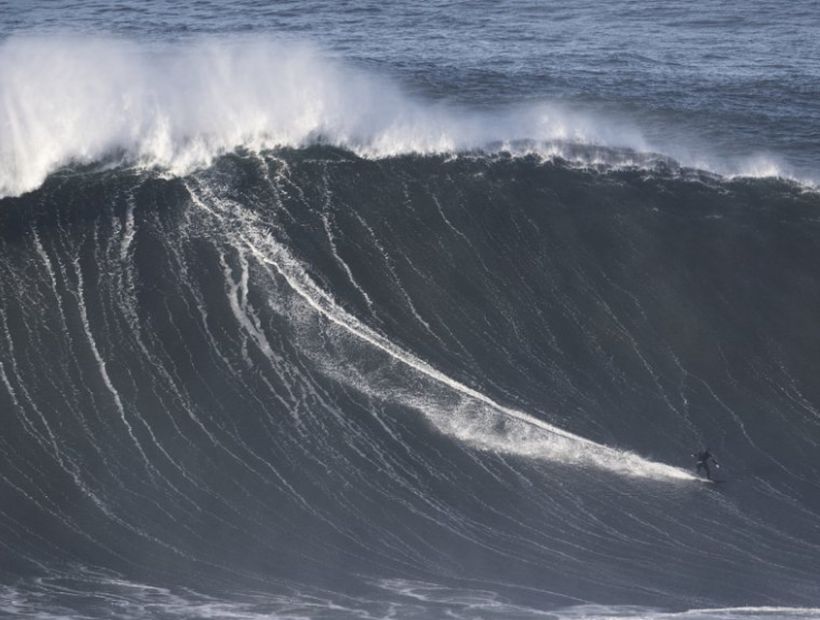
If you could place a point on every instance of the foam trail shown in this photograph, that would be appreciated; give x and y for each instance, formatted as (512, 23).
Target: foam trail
(566, 446)
(178, 106)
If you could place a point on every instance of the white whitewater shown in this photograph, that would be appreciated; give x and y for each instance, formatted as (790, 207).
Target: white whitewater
(67, 100)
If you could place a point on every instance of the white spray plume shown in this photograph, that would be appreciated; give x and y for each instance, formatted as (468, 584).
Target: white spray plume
(177, 106)
(78, 100)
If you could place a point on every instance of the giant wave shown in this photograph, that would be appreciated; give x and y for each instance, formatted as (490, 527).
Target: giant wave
(301, 381)
(279, 339)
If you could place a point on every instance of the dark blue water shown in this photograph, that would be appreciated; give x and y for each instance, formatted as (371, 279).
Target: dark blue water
(338, 310)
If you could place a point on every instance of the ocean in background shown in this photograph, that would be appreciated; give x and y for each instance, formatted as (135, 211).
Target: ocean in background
(357, 310)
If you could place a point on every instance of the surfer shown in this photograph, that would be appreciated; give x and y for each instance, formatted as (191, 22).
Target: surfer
(703, 457)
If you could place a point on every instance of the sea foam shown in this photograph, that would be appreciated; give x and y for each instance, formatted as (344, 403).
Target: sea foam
(176, 106)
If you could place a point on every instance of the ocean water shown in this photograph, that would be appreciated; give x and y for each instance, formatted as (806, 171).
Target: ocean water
(354, 310)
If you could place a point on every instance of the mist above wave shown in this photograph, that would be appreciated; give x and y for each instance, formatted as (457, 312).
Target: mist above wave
(177, 106)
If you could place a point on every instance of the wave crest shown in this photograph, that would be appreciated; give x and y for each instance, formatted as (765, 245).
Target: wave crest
(177, 106)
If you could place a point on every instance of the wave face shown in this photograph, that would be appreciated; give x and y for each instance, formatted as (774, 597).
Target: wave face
(304, 383)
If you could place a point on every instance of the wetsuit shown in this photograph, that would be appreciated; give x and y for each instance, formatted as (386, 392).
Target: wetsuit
(703, 462)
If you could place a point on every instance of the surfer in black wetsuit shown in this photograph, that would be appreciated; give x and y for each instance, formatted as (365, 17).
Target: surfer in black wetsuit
(703, 457)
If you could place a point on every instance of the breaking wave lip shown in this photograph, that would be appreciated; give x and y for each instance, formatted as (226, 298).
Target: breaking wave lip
(68, 100)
